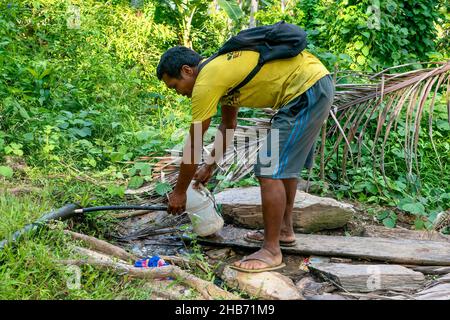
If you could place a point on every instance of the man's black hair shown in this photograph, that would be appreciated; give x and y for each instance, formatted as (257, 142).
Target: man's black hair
(173, 59)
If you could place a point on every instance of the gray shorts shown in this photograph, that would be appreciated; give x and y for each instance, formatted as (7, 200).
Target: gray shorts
(290, 143)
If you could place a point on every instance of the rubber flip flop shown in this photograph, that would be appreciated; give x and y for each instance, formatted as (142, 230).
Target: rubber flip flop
(271, 268)
(282, 243)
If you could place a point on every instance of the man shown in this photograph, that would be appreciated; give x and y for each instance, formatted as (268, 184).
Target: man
(299, 88)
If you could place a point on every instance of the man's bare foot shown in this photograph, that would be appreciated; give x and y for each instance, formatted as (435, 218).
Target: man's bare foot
(261, 259)
(258, 235)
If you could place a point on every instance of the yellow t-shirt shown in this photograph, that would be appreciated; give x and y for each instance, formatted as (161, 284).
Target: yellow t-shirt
(278, 82)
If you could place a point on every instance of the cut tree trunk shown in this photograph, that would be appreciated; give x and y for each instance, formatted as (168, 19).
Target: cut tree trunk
(368, 278)
(242, 206)
(412, 252)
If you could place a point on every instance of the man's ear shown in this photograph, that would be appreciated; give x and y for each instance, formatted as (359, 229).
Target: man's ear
(187, 70)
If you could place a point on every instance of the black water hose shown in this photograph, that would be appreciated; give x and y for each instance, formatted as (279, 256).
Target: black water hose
(67, 212)
(63, 213)
(123, 207)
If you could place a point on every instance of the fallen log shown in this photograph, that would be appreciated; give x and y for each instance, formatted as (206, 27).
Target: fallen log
(22, 190)
(411, 252)
(102, 246)
(167, 290)
(178, 261)
(369, 278)
(98, 256)
(242, 207)
(117, 252)
(207, 289)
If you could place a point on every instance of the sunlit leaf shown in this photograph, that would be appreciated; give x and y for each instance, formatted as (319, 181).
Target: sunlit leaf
(231, 7)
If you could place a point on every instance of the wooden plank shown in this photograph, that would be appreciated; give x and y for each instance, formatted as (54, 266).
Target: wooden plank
(242, 207)
(397, 233)
(369, 278)
(412, 252)
(435, 270)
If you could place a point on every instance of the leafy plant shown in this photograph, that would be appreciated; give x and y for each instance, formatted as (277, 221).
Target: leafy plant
(181, 13)
(232, 9)
(373, 33)
(139, 173)
(388, 217)
(6, 172)
(162, 188)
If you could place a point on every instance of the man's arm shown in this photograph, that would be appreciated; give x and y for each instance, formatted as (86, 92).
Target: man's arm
(221, 142)
(192, 152)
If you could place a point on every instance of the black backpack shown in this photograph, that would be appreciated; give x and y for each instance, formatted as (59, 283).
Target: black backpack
(278, 41)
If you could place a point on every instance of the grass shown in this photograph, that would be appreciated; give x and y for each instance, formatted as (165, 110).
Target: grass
(29, 268)
(79, 105)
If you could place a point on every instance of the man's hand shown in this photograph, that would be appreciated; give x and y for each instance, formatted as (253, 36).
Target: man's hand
(203, 174)
(177, 203)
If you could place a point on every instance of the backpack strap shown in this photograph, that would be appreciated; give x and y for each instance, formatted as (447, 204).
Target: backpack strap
(201, 65)
(247, 78)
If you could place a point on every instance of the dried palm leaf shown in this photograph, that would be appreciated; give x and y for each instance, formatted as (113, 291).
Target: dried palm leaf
(391, 95)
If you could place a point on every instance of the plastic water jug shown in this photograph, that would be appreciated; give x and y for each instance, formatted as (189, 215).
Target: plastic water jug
(202, 212)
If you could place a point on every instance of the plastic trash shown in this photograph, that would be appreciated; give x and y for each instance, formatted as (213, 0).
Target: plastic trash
(202, 212)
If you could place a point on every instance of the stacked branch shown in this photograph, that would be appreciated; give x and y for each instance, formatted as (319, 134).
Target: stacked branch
(112, 258)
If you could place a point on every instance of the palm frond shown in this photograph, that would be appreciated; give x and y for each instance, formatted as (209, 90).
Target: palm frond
(390, 95)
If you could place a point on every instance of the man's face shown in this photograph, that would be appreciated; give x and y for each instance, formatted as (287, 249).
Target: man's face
(185, 84)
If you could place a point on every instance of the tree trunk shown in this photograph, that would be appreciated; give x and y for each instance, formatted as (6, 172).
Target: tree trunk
(253, 10)
(186, 25)
(283, 5)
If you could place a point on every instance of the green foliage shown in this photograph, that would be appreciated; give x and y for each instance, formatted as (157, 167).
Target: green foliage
(84, 94)
(139, 173)
(185, 15)
(388, 218)
(6, 172)
(443, 30)
(79, 100)
(232, 9)
(162, 188)
(373, 33)
(272, 13)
